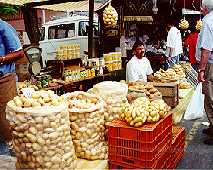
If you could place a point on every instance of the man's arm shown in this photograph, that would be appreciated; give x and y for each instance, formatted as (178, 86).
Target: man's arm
(13, 56)
(151, 77)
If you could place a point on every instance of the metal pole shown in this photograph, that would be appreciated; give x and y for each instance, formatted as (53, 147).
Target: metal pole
(90, 31)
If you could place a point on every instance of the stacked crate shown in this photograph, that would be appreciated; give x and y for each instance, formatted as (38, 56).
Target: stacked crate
(145, 147)
(177, 148)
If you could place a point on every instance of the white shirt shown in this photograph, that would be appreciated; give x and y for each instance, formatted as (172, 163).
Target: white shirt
(138, 69)
(205, 39)
(174, 40)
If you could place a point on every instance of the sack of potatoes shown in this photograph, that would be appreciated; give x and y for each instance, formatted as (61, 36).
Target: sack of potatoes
(86, 113)
(41, 132)
(143, 110)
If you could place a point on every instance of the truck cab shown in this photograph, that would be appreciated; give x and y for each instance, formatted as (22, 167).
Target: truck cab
(68, 30)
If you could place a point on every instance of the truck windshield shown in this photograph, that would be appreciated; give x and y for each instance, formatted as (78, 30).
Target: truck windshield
(83, 28)
(61, 31)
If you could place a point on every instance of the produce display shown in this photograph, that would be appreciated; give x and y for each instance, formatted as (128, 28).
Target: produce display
(147, 89)
(41, 132)
(170, 75)
(113, 107)
(113, 61)
(87, 125)
(184, 24)
(110, 16)
(185, 85)
(38, 99)
(114, 94)
(78, 74)
(199, 25)
(143, 110)
(68, 52)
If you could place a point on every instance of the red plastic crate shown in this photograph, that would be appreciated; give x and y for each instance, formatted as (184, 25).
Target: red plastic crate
(178, 135)
(158, 163)
(143, 147)
(177, 148)
(146, 133)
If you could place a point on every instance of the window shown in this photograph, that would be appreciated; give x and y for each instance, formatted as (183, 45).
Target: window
(42, 31)
(83, 28)
(61, 31)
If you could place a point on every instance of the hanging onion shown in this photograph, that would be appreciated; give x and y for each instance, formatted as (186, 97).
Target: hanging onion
(184, 24)
(198, 25)
(110, 16)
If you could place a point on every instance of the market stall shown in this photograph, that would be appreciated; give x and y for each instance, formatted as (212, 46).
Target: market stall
(108, 112)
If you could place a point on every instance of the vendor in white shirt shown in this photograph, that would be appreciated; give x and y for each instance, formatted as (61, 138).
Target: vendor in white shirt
(174, 45)
(139, 68)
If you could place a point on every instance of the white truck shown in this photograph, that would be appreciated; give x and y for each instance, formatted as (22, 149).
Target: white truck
(68, 30)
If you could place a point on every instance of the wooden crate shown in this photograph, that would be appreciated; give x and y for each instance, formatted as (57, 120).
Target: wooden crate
(169, 93)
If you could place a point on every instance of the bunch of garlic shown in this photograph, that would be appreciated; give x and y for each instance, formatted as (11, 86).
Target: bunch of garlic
(199, 25)
(184, 24)
(110, 16)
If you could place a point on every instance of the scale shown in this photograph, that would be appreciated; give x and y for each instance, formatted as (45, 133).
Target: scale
(33, 54)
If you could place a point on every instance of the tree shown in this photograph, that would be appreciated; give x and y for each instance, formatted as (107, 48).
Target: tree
(8, 9)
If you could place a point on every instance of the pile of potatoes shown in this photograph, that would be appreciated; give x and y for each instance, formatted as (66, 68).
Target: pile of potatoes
(143, 110)
(145, 89)
(87, 125)
(113, 107)
(179, 71)
(38, 99)
(170, 75)
(41, 137)
(110, 16)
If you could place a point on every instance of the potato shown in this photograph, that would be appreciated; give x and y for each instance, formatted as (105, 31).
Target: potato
(31, 137)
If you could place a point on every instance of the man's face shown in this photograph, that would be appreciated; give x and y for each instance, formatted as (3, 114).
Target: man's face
(140, 51)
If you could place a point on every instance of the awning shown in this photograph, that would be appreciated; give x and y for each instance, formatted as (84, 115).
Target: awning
(19, 2)
(74, 6)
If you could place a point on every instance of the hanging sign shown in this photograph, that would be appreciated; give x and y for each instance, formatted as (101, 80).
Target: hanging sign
(139, 18)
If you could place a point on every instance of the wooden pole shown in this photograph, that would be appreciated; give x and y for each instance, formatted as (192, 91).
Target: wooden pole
(90, 31)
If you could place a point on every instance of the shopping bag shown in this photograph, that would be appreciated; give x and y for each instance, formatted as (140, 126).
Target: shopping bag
(195, 109)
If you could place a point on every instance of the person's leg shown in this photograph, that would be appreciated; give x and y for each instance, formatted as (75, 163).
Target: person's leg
(208, 102)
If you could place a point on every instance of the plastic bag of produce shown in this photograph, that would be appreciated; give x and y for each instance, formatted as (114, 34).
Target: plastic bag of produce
(41, 132)
(87, 125)
(195, 109)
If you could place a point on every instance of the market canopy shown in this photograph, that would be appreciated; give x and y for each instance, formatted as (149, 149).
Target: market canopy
(19, 2)
(73, 6)
(35, 2)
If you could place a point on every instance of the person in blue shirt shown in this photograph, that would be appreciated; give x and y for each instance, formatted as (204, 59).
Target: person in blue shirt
(205, 72)
(10, 51)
